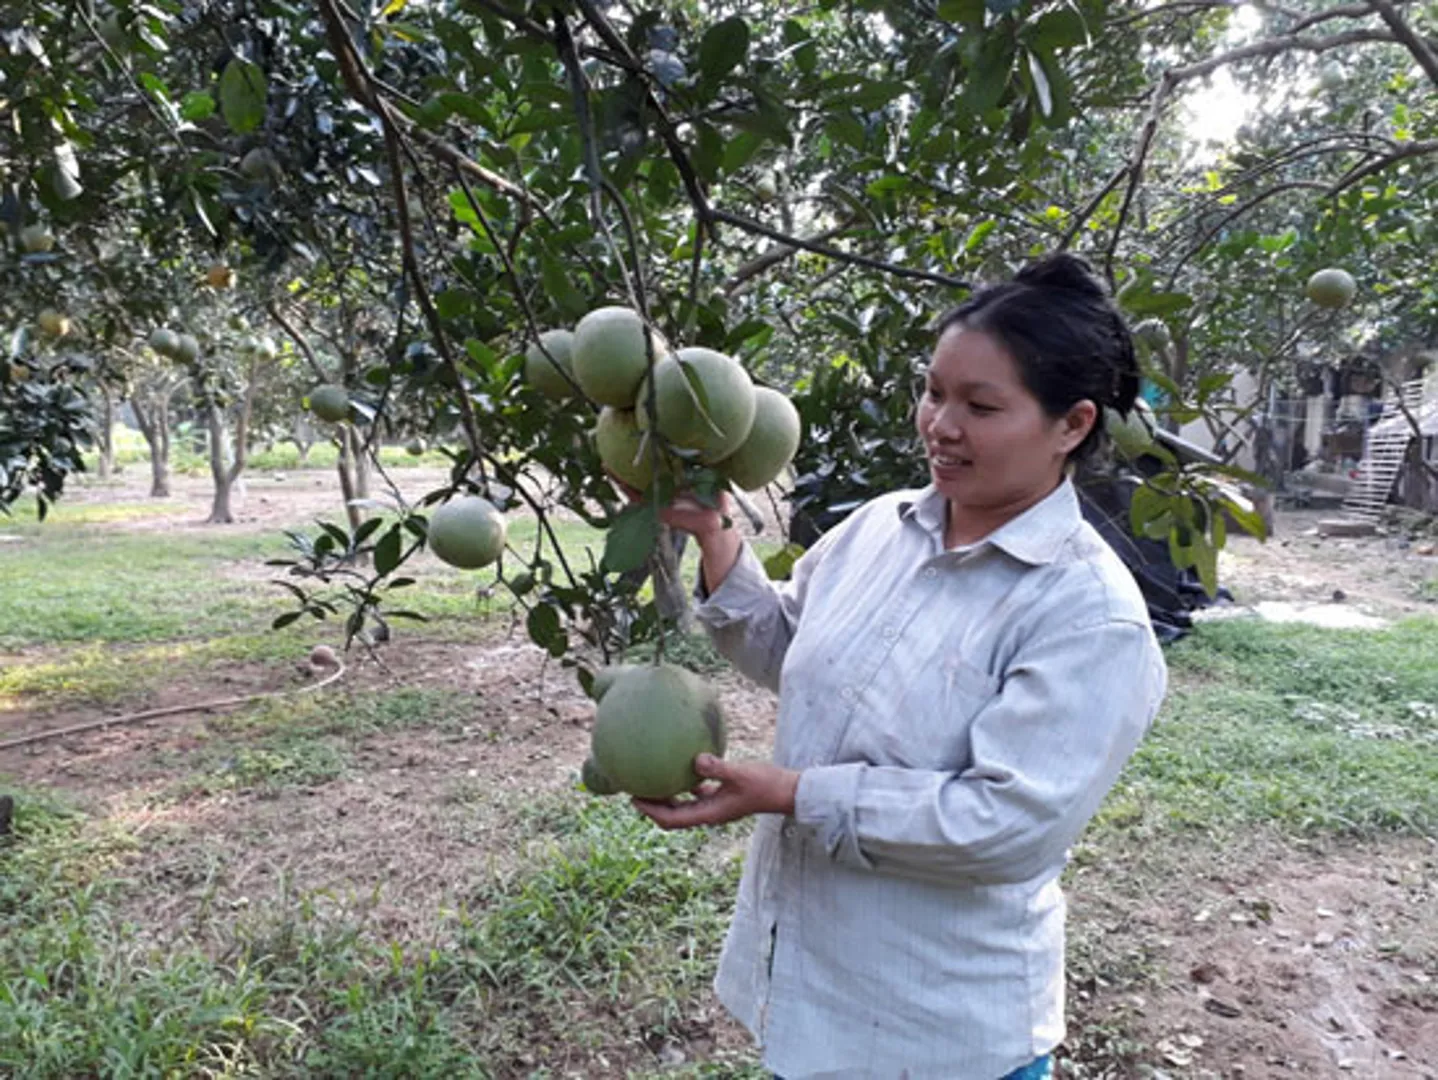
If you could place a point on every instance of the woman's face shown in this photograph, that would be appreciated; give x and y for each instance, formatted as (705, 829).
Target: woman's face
(989, 442)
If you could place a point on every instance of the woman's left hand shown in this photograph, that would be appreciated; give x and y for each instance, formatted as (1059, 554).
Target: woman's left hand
(743, 788)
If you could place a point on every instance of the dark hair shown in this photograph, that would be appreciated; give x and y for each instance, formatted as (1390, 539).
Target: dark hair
(1063, 329)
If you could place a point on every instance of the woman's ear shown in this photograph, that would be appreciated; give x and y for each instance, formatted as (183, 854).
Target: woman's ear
(1078, 422)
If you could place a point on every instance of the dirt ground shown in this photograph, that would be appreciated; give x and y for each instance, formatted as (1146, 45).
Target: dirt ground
(1272, 962)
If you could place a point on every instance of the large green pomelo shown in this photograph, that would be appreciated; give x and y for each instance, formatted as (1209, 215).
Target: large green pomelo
(595, 781)
(468, 532)
(1132, 435)
(623, 448)
(609, 355)
(187, 349)
(771, 445)
(540, 373)
(1332, 288)
(649, 727)
(330, 402)
(164, 341)
(604, 679)
(728, 394)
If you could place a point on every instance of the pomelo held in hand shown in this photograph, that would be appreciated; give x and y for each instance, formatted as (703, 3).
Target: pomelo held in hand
(330, 402)
(1332, 288)
(651, 723)
(468, 532)
(772, 442)
(610, 357)
(540, 373)
(728, 400)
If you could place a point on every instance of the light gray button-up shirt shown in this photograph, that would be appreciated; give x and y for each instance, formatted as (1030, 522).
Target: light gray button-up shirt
(958, 716)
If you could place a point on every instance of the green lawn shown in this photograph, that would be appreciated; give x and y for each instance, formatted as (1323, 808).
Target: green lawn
(599, 937)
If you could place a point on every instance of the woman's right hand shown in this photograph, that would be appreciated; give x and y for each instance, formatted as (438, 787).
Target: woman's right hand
(688, 514)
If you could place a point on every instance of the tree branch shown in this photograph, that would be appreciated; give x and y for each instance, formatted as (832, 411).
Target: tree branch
(1407, 38)
(1233, 215)
(1090, 207)
(758, 229)
(273, 309)
(766, 260)
(1363, 172)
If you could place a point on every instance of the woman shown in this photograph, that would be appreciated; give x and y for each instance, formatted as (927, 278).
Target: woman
(962, 673)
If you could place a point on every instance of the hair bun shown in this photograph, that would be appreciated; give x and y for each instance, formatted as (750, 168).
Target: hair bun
(1064, 271)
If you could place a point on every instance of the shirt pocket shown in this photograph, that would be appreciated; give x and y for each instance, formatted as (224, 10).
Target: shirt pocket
(932, 732)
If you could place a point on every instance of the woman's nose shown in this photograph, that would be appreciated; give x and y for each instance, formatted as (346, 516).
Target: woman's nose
(943, 423)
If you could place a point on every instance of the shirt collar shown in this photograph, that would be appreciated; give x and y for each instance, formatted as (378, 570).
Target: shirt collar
(1034, 537)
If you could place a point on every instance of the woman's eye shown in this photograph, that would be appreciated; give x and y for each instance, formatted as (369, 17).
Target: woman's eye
(983, 409)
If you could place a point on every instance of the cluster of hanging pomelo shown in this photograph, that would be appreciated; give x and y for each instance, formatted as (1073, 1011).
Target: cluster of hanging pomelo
(702, 403)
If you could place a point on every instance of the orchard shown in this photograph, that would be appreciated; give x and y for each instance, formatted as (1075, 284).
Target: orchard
(568, 262)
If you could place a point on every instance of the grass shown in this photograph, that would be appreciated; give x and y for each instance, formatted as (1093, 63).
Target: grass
(578, 948)
(1298, 728)
(596, 944)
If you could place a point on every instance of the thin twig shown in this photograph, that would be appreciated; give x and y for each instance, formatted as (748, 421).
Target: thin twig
(759, 229)
(1090, 207)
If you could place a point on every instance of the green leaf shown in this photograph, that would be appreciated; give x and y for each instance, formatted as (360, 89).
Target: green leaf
(978, 234)
(1041, 85)
(1205, 561)
(1061, 29)
(723, 48)
(964, 12)
(387, 552)
(282, 621)
(781, 564)
(740, 149)
(366, 530)
(242, 96)
(452, 303)
(545, 629)
(989, 77)
(1140, 301)
(1147, 506)
(198, 105)
(561, 289)
(631, 538)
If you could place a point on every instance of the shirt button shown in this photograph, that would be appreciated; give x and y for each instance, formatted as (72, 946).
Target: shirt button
(931, 573)
(788, 830)
(849, 694)
(890, 633)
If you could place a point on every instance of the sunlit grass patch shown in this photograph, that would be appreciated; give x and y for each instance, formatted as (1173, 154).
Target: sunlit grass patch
(1300, 728)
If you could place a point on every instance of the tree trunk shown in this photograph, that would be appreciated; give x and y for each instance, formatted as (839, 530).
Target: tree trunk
(154, 423)
(302, 434)
(227, 476)
(220, 512)
(106, 441)
(345, 466)
(360, 462)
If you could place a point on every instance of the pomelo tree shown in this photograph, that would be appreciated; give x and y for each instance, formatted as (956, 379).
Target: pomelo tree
(802, 188)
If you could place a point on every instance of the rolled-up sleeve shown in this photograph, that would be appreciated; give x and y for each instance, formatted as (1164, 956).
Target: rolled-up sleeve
(1044, 752)
(751, 619)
